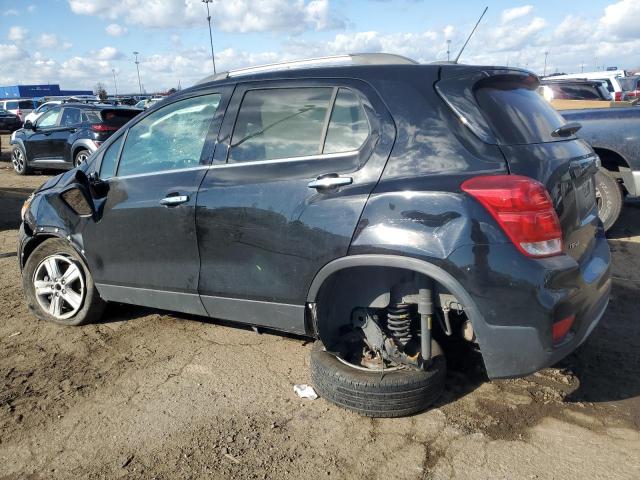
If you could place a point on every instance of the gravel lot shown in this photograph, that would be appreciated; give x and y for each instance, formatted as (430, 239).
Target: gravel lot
(149, 394)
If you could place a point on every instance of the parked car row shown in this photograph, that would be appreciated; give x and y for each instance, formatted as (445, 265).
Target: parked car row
(387, 209)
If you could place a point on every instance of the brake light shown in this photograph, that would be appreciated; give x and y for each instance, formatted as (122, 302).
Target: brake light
(618, 96)
(561, 328)
(101, 127)
(523, 208)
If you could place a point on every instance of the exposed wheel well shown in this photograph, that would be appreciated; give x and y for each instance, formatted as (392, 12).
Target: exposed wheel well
(371, 287)
(611, 160)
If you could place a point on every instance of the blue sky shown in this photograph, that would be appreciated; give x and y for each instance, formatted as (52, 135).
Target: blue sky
(78, 43)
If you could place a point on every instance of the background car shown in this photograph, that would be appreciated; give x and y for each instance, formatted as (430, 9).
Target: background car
(573, 89)
(21, 107)
(610, 77)
(65, 136)
(33, 116)
(630, 87)
(9, 122)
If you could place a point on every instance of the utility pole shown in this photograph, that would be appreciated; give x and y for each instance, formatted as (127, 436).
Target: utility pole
(546, 54)
(448, 50)
(213, 60)
(115, 84)
(582, 67)
(138, 69)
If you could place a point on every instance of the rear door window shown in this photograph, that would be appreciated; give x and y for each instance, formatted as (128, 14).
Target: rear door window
(70, 116)
(280, 123)
(516, 112)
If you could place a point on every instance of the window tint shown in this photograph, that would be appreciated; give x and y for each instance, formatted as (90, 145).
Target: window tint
(110, 159)
(516, 113)
(170, 138)
(280, 123)
(49, 119)
(348, 127)
(26, 104)
(575, 92)
(117, 117)
(70, 116)
(89, 116)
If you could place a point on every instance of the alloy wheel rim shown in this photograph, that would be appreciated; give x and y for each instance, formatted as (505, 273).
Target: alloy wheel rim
(59, 286)
(18, 160)
(81, 158)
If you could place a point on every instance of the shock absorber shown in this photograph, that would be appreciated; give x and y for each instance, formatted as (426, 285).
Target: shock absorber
(399, 322)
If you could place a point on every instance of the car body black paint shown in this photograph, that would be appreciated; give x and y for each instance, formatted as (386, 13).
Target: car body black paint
(261, 236)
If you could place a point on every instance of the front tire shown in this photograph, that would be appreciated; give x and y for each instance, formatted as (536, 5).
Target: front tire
(59, 287)
(609, 198)
(80, 157)
(19, 161)
(394, 393)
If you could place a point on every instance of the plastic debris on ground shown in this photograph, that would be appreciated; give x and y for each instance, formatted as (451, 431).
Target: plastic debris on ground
(305, 391)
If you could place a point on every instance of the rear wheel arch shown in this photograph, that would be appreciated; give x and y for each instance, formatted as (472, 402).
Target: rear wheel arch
(339, 274)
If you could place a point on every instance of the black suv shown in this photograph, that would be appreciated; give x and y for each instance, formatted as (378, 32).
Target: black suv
(384, 208)
(64, 136)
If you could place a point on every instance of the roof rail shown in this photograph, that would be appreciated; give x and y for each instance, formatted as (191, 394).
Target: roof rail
(335, 60)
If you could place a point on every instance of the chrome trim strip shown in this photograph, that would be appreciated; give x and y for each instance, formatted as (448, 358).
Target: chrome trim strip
(324, 156)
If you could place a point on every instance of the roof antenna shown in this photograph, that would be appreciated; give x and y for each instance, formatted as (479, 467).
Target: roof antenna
(470, 35)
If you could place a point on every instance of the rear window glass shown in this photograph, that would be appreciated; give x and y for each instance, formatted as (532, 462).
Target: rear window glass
(516, 113)
(630, 83)
(118, 117)
(575, 92)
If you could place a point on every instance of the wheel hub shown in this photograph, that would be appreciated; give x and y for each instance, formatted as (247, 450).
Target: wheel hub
(59, 286)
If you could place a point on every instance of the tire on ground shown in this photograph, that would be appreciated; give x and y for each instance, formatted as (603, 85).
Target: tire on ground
(392, 394)
(92, 306)
(610, 198)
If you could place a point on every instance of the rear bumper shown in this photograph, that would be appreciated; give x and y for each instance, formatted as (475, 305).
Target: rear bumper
(514, 332)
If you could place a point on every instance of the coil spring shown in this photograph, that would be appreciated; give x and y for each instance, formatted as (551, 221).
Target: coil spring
(399, 322)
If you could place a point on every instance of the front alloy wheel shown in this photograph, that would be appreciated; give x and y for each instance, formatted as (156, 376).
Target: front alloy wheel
(59, 286)
(19, 161)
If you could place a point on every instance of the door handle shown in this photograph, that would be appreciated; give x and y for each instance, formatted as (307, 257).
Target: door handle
(173, 200)
(331, 180)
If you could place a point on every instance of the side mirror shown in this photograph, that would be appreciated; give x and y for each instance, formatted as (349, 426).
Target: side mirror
(79, 200)
(29, 125)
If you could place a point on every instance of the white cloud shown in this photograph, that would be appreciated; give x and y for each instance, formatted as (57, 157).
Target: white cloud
(12, 12)
(11, 52)
(17, 34)
(514, 13)
(51, 41)
(621, 19)
(108, 53)
(116, 30)
(31, 8)
(228, 16)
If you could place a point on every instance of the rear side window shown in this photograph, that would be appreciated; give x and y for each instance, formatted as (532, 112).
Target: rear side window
(280, 123)
(348, 126)
(117, 118)
(70, 116)
(516, 112)
(25, 104)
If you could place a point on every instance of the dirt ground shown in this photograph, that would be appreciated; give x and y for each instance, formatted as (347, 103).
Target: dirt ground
(149, 394)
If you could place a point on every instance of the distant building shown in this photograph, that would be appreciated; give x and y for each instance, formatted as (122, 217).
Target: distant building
(38, 91)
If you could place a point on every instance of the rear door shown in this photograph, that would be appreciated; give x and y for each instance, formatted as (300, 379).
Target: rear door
(293, 168)
(512, 114)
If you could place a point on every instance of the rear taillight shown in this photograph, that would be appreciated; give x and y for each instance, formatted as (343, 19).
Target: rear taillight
(618, 96)
(19, 114)
(560, 329)
(101, 127)
(523, 208)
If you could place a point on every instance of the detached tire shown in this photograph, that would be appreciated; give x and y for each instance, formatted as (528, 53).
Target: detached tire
(396, 393)
(58, 285)
(609, 198)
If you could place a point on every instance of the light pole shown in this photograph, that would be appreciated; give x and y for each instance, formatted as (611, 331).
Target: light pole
(546, 54)
(138, 69)
(213, 60)
(115, 84)
(448, 49)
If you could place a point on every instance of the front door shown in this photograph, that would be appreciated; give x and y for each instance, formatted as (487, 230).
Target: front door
(39, 141)
(143, 248)
(292, 171)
